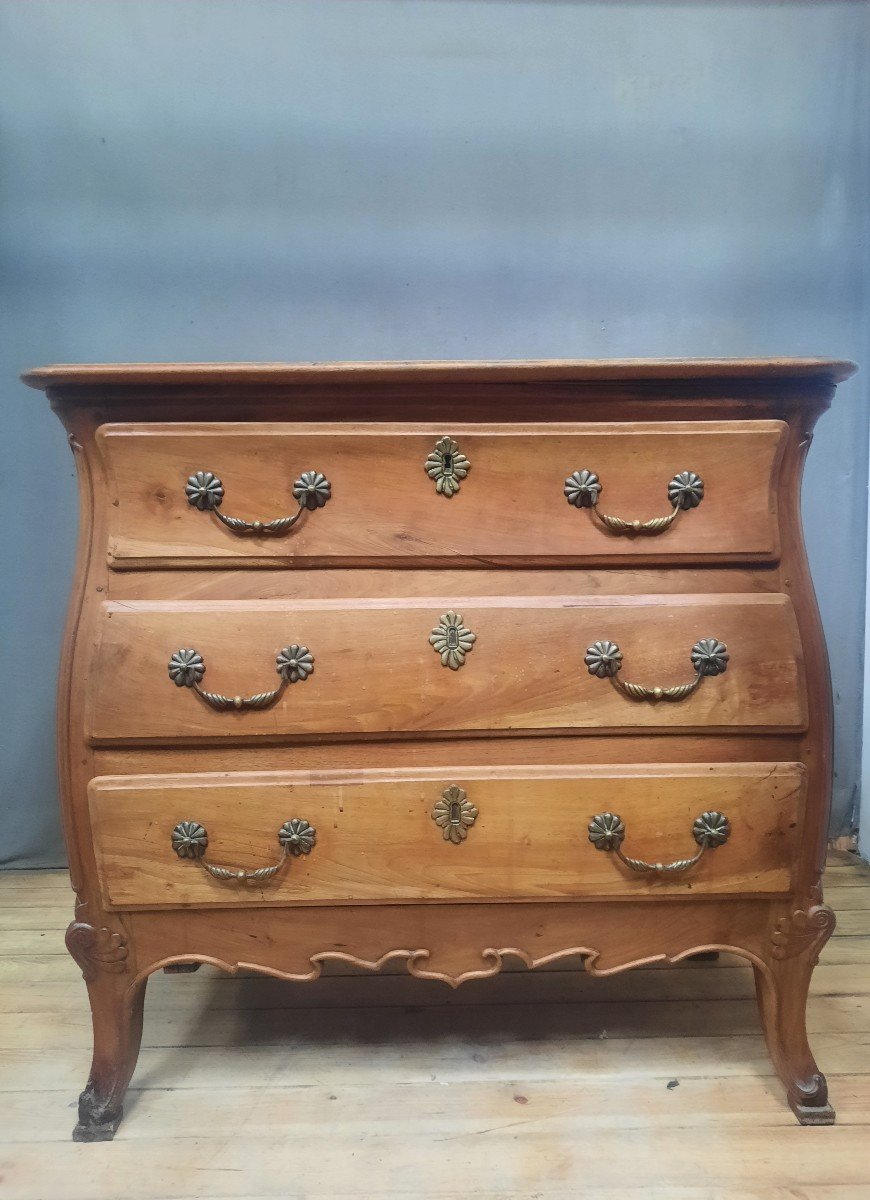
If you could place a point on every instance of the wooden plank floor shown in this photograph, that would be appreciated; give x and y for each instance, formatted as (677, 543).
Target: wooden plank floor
(653, 1085)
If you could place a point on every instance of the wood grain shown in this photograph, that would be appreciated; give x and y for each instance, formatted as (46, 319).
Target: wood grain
(338, 583)
(375, 671)
(376, 839)
(511, 507)
(473, 751)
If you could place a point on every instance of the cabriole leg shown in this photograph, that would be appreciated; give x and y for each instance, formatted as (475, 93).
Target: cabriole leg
(782, 986)
(116, 1009)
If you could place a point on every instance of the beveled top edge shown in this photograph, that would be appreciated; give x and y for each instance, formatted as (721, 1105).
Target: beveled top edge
(65, 375)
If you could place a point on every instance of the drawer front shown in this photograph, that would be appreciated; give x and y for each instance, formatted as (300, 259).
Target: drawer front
(383, 500)
(375, 671)
(376, 838)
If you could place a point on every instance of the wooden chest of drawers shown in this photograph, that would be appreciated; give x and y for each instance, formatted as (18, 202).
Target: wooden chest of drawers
(447, 664)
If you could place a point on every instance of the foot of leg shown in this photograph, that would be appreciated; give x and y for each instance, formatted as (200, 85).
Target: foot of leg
(97, 1121)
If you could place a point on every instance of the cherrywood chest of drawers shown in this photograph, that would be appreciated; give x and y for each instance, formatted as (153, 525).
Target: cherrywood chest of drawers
(443, 663)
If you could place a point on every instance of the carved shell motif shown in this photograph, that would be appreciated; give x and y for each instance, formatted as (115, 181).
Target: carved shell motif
(96, 949)
(803, 930)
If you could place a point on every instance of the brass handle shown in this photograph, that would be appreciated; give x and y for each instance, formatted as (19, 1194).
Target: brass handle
(190, 840)
(205, 491)
(709, 657)
(685, 491)
(294, 664)
(607, 832)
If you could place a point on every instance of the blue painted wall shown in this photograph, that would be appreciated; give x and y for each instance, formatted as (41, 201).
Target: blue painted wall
(419, 179)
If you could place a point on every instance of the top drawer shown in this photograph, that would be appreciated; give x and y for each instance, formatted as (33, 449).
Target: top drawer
(392, 493)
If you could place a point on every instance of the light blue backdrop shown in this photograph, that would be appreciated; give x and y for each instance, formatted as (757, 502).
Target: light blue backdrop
(421, 179)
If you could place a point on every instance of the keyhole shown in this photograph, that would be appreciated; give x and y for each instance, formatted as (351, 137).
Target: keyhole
(452, 638)
(455, 813)
(448, 463)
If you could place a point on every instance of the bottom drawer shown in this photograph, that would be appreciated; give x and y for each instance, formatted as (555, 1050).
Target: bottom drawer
(484, 833)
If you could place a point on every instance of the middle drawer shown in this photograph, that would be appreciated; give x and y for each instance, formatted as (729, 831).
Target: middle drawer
(193, 671)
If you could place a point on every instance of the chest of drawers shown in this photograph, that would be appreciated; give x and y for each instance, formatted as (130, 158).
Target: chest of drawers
(449, 664)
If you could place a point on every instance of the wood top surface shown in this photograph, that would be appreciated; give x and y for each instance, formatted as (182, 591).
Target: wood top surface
(512, 371)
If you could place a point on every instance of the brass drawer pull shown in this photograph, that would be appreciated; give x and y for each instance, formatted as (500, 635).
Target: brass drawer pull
(685, 491)
(294, 664)
(205, 491)
(190, 840)
(709, 657)
(607, 832)
(455, 814)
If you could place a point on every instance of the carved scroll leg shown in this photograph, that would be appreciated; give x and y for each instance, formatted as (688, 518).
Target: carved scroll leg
(116, 1007)
(116, 1010)
(782, 987)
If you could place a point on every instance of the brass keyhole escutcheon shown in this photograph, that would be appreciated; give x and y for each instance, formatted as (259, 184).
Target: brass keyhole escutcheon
(454, 814)
(446, 466)
(451, 640)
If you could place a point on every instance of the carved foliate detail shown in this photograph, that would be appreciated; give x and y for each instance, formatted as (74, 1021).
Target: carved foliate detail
(805, 931)
(96, 950)
(483, 964)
